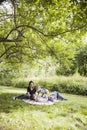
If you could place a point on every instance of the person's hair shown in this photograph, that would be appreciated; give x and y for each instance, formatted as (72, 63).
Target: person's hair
(30, 82)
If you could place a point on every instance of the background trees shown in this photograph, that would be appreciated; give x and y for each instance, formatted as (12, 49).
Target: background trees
(37, 29)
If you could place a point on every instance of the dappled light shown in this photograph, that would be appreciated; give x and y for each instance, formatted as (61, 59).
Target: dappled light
(43, 42)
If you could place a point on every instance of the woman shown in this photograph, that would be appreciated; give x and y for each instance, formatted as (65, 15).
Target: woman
(31, 92)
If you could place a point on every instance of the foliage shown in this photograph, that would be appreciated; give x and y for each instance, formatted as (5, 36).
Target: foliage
(23, 27)
(33, 30)
(82, 61)
(73, 84)
(8, 73)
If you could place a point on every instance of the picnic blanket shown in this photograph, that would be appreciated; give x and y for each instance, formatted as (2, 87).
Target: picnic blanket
(41, 101)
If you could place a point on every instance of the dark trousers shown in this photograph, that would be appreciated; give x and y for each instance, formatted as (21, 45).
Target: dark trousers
(23, 96)
(57, 95)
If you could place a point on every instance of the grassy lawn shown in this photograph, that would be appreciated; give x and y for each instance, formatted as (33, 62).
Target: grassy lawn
(17, 115)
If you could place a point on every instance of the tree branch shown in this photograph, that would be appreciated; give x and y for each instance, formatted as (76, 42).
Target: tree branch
(14, 9)
(10, 40)
(17, 47)
(6, 51)
(37, 30)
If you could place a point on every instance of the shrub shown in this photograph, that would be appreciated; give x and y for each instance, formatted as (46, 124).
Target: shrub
(20, 84)
(74, 85)
(6, 82)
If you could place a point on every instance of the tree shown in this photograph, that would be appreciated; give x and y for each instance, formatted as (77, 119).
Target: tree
(27, 29)
(81, 59)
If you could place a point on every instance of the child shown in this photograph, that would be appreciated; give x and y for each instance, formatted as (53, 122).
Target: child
(42, 91)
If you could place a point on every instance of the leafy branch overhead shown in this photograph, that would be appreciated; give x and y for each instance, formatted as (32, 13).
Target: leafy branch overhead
(20, 33)
(50, 20)
(22, 22)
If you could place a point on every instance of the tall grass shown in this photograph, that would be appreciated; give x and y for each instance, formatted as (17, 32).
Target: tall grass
(73, 84)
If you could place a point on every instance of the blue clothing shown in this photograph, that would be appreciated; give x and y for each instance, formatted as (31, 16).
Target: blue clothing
(41, 90)
(56, 95)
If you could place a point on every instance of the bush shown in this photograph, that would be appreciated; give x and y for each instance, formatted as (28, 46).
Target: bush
(74, 85)
(6, 82)
(20, 84)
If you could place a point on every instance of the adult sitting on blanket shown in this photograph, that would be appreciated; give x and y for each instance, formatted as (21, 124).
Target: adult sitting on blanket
(31, 92)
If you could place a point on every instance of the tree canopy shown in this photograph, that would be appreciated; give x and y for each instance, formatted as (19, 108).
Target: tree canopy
(35, 29)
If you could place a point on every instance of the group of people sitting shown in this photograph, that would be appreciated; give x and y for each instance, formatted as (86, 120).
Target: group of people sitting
(33, 92)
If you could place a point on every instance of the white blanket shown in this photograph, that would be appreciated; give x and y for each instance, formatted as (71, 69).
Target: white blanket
(41, 101)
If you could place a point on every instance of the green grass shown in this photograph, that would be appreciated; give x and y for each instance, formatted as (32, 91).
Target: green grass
(17, 115)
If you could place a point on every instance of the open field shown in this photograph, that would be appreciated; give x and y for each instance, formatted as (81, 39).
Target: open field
(17, 115)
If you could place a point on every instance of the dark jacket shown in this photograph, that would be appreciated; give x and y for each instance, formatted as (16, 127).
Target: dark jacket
(33, 91)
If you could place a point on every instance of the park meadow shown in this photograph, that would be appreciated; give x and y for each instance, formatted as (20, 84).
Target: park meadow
(44, 41)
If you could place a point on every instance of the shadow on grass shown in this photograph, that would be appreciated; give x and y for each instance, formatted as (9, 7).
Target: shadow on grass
(7, 104)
